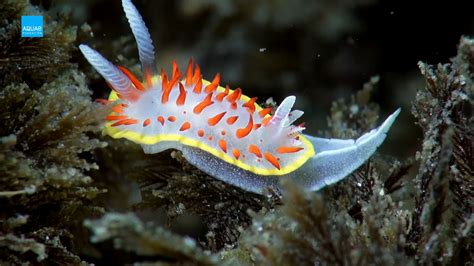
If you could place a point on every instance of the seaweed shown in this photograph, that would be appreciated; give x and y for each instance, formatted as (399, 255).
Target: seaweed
(130, 234)
(48, 133)
(442, 220)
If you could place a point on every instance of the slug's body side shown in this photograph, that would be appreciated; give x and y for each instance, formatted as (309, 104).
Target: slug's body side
(221, 131)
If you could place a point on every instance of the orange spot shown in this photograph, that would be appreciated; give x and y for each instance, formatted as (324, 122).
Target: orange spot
(198, 86)
(250, 104)
(221, 95)
(255, 150)
(125, 122)
(176, 73)
(231, 120)
(205, 103)
(265, 112)
(197, 74)
(272, 159)
(233, 106)
(242, 132)
(118, 108)
(200, 133)
(215, 119)
(189, 73)
(164, 80)
(214, 84)
(283, 149)
(116, 117)
(171, 118)
(148, 79)
(146, 122)
(266, 120)
(132, 78)
(234, 96)
(257, 126)
(185, 126)
(161, 120)
(209, 137)
(167, 90)
(236, 153)
(182, 95)
(223, 144)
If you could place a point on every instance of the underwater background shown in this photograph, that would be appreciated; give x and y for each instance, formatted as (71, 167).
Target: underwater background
(69, 195)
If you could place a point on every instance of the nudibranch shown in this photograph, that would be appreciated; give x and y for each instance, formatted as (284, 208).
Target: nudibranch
(221, 131)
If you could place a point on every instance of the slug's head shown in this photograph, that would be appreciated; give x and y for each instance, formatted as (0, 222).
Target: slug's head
(124, 84)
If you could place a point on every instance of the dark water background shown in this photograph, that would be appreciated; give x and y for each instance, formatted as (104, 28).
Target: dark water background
(317, 50)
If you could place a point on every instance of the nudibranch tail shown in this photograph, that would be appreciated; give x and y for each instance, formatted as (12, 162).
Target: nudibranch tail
(337, 158)
(221, 131)
(334, 160)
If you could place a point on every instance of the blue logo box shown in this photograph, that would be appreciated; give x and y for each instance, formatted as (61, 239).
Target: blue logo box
(31, 26)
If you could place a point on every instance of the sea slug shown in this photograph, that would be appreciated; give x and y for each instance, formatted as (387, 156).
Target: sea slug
(221, 131)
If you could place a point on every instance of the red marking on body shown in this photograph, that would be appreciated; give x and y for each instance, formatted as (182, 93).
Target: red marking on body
(233, 106)
(215, 119)
(167, 89)
(235, 95)
(242, 132)
(231, 120)
(125, 122)
(132, 78)
(115, 117)
(223, 132)
(250, 104)
(164, 79)
(117, 108)
(197, 74)
(210, 138)
(265, 112)
(161, 120)
(185, 126)
(236, 153)
(257, 126)
(255, 150)
(284, 149)
(146, 122)
(175, 72)
(223, 144)
(272, 159)
(189, 73)
(148, 78)
(198, 86)
(266, 120)
(182, 95)
(200, 133)
(221, 95)
(171, 118)
(205, 103)
(214, 84)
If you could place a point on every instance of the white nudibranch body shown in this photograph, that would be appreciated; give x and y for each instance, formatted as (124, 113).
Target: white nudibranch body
(221, 131)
